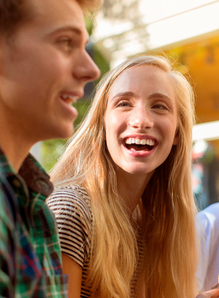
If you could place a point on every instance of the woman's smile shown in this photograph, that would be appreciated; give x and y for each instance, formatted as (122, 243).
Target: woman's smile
(140, 143)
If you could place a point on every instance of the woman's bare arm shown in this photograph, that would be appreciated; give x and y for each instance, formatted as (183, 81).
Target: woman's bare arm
(74, 272)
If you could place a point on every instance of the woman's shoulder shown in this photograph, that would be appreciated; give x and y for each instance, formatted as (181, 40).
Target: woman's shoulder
(71, 207)
(70, 199)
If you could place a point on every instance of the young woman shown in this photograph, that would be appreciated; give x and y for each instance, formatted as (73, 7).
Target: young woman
(123, 199)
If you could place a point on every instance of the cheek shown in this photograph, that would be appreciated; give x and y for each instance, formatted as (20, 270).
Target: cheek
(110, 136)
(108, 139)
(111, 132)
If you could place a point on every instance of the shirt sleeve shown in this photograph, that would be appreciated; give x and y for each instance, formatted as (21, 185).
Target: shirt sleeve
(7, 272)
(208, 227)
(74, 220)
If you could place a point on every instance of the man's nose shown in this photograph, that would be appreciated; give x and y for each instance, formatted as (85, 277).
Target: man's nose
(85, 68)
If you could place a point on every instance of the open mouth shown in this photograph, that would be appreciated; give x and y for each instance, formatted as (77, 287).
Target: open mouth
(68, 98)
(139, 144)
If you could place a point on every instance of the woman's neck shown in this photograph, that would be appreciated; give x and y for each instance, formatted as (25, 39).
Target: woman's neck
(131, 188)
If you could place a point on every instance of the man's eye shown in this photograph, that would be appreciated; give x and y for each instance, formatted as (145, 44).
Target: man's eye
(67, 43)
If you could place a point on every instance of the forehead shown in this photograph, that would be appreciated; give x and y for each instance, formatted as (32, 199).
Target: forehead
(142, 80)
(50, 14)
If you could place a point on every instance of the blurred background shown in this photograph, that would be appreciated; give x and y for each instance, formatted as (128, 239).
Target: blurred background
(186, 31)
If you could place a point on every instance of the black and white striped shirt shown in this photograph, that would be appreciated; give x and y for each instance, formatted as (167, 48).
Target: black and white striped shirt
(72, 208)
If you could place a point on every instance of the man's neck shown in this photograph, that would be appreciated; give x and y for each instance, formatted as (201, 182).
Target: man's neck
(14, 145)
(14, 154)
(15, 140)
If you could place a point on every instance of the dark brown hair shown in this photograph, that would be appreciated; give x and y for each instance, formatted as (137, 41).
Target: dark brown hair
(14, 12)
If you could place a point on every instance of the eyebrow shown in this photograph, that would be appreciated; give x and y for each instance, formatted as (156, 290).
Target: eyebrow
(151, 96)
(159, 95)
(125, 93)
(74, 30)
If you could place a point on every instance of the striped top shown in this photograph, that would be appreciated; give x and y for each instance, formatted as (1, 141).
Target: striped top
(72, 208)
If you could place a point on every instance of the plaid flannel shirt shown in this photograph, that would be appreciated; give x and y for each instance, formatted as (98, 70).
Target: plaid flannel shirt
(30, 255)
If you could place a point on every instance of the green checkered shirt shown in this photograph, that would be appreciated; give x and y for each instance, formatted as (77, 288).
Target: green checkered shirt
(30, 256)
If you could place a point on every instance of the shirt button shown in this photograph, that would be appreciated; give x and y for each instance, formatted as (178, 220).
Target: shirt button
(16, 183)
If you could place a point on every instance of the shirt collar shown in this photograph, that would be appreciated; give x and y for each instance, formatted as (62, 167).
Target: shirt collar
(32, 173)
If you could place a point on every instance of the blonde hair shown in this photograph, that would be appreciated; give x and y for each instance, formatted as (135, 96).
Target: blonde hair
(167, 206)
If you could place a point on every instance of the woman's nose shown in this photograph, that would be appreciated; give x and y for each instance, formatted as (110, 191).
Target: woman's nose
(141, 118)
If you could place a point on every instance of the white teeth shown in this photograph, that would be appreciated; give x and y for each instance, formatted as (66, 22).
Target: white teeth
(148, 142)
(69, 98)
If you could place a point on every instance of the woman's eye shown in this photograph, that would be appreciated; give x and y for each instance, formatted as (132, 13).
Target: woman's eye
(160, 106)
(123, 104)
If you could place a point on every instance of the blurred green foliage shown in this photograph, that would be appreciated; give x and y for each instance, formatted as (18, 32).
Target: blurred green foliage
(52, 149)
(89, 25)
(100, 61)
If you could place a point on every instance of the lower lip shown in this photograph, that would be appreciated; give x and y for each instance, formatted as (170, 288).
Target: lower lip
(141, 154)
(72, 110)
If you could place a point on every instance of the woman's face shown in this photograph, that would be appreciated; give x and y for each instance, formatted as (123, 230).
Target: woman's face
(141, 120)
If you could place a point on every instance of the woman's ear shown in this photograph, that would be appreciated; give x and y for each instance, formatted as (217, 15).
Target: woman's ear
(176, 138)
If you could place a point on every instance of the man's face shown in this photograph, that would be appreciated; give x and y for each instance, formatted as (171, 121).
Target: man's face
(43, 69)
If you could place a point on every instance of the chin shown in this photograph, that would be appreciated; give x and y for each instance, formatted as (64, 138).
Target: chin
(64, 135)
(135, 171)
(60, 133)
(141, 171)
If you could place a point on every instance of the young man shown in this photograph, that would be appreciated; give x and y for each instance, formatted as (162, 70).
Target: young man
(43, 70)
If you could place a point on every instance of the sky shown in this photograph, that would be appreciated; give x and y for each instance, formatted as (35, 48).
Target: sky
(168, 22)
(183, 26)
(154, 10)
(158, 9)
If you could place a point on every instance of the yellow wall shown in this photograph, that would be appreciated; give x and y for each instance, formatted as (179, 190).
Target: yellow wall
(202, 62)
